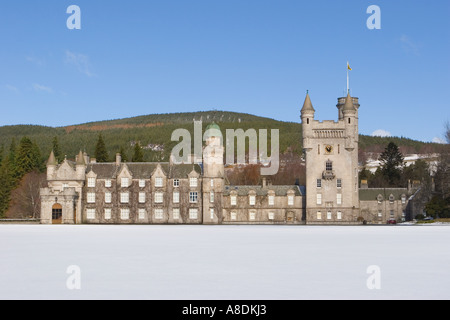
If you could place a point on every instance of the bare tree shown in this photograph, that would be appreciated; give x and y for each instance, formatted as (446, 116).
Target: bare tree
(27, 197)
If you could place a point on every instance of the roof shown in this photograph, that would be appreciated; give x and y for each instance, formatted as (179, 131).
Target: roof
(52, 159)
(263, 191)
(141, 170)
(307, 105)
(372, 193)
(348, 106)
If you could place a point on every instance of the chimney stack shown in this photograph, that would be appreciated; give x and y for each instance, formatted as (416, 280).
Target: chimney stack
(118, 159)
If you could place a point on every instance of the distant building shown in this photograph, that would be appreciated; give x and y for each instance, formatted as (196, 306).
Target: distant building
(86, 192)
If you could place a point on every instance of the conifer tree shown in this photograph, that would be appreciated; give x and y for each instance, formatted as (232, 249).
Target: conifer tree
(392, 164)
(138, 155)
(28, 157)
(6, 185)
(57, 150)
(123, 154)
(101, 154)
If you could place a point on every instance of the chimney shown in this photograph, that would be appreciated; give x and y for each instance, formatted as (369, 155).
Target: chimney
(118, 159)
(93, 160)
(264, 182)
(364, 184)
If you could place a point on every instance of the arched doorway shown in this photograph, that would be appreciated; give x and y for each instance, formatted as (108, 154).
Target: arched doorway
(57, 214)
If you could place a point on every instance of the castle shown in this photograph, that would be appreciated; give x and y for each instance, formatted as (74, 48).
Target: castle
(86, 192)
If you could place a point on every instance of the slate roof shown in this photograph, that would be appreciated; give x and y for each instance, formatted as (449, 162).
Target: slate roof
(372, 193)
(263, 191)
(141, 170)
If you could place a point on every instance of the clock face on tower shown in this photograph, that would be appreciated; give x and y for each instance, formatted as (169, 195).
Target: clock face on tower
(328, 149)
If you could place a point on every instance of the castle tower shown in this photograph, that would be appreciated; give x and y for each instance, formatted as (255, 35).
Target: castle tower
(213, 175)
(331, 151)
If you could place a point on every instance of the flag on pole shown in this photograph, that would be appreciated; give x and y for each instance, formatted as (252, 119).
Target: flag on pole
(348, 66)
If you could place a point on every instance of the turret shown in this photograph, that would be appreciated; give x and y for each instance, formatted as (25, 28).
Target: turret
(51, 166)
(307, 115)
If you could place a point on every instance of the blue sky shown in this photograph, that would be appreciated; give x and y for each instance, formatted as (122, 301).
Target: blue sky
(133, 58)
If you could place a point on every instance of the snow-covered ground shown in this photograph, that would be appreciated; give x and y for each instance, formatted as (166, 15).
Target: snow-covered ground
(224, 262)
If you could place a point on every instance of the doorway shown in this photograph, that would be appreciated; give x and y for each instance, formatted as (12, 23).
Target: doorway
(57, 214)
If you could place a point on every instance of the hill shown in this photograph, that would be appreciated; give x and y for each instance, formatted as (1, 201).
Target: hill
(154, 133)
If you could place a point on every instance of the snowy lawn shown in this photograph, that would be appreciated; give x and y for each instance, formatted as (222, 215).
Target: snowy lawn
(224, 262)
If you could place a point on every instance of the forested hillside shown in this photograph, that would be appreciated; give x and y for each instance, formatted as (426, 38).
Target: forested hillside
(153, 132)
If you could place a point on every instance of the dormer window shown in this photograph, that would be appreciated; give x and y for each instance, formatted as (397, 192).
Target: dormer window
(91, 182)
(380, 198)
(193, 182)
(125, 182)
(158, 182)
(391, 198)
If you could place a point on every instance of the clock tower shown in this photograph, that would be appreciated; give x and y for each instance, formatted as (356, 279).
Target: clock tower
(331, 152)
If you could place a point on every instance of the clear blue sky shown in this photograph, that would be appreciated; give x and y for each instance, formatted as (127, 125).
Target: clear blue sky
(133, 58)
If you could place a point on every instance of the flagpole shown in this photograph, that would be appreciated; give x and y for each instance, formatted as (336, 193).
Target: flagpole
(348, 82)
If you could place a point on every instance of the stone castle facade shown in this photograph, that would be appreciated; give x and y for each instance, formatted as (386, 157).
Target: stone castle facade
(86, 192)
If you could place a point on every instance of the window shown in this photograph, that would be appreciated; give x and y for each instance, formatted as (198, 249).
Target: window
(193, 182)
(339, 183)
(193, 213)
(403, 199)
(391, 198)
(176, 197)
(252, 200)
(125, 213)
(329, 215)
(211, 212)
(108, 183)
(91, 197)
(319, 215)
(380, 214)
(252, 215)
(108, 214)
(176, 183)
(65, 186)
(90, 214)
(319, 199)
(141, 197)
(233, 199)
(379, 198)
(159, 197)
(212, 183)
(193, 197)
(176, 213)
(124, 197)
(159, 214)
(329, 166)
(319, 183)
(158, 182)
(211, 197)
(107, 197)
(392, 214)
(339, 215)
(233, 215)
(290, 200)
(125, 182)
(142, 214)
(339, 198)
(141, 183)
(271, 200)
(91, 182)
(271, 216)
